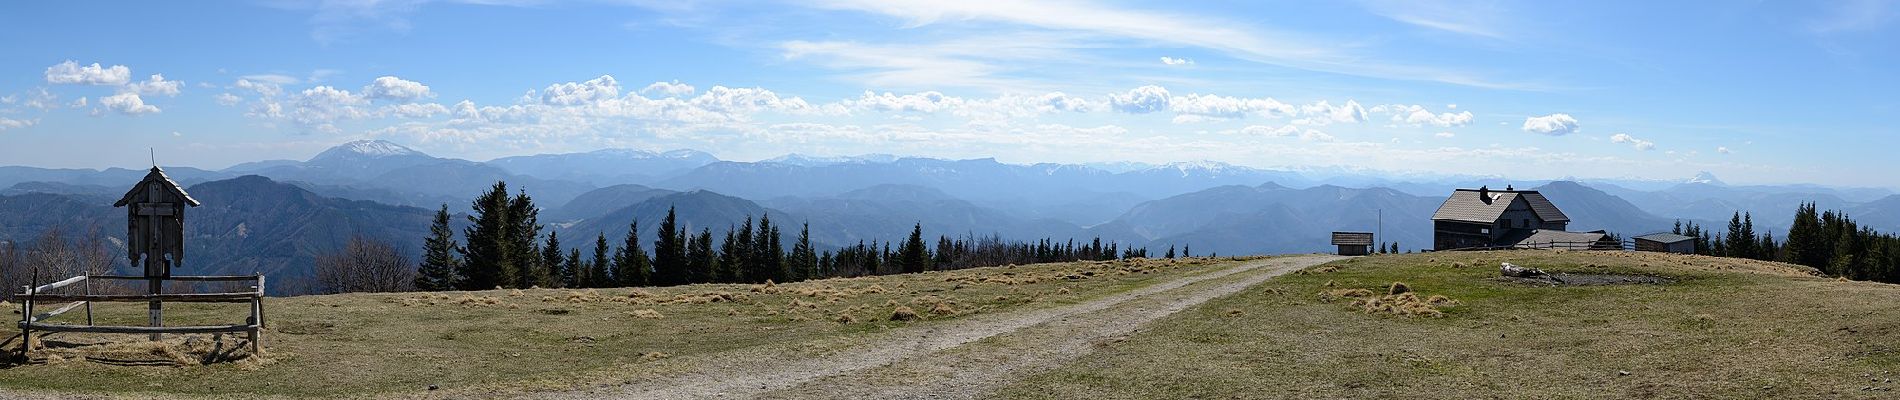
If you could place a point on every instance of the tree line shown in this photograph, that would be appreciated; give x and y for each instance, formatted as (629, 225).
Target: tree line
(1829, 241)
(503, 248)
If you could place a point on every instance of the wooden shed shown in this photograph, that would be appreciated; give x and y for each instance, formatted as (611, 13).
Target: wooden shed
(1353, 243)
(1666, 243)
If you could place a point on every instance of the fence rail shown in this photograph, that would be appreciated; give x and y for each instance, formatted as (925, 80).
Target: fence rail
(1624, 245)
(33, 294)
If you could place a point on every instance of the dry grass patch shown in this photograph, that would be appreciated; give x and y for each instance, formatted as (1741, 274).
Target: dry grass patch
(903, 313)
(1720, 328)
(479, 343)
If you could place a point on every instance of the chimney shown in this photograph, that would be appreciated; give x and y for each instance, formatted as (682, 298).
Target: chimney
(1507, 187)
(1484, 194)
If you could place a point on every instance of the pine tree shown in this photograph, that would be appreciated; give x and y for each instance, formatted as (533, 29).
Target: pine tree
(701, 261)
(744, 265)
(767, 253)
(1170, 252)
(631, 265)
(669, 253)
(551, 258)
(439, 261)
(597, 275)
(489, 255)
(1805, 243)
(524, 234)
(727, 269)
(1187, 251)
(573, 270)
(913, 257)
(803, 263)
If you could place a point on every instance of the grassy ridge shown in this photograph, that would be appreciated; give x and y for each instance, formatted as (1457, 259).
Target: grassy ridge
(478, 342)
(1724, 328)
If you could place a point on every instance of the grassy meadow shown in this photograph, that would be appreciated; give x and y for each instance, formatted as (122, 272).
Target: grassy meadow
(1721, 328)
(400, 344)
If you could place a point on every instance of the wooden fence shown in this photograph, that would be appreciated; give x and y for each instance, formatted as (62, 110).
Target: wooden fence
(1625, 245)
(32, 296)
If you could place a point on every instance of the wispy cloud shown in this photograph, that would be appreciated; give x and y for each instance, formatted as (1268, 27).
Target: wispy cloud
(1472, 18)
(1160, 28)
(1845, 16)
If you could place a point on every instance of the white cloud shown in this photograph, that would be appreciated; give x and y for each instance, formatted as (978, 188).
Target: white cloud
(1722, 149)
(1176, 61)
(275, 79)
(1141, 100)
(1323, 113)
(1639, 144)
(1307, 134)
(1417, 115)
(1263, 130)
(264, 88)
(156, 85)
(1445, 135)
(9, 123)
(227, 99)
(1554, 125)
(127, 103)
(321, 106)
(77, 103)
(415, 110)
(1229, 107)
(669, 89)
(70, 72)
(398, 89)
(570, 93)
(721, 99)
(925, 102)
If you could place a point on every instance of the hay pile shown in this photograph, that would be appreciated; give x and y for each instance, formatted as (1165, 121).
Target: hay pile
(1399, 300)
(903, 313)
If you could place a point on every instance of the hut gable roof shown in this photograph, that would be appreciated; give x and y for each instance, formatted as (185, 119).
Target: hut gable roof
(1546, 236)
(156, 177)
(1485, 207)
(1352, 239)
(1666, 238)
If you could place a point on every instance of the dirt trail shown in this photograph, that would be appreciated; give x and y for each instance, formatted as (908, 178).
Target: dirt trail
(933, 363)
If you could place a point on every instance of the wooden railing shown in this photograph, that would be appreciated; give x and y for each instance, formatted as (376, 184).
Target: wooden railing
(1625, 245)
(32, 296)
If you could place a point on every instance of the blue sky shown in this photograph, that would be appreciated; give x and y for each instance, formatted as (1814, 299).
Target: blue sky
(1757, 92)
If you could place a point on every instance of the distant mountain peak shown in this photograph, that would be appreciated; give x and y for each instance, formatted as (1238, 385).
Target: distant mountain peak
(1706, 178)
(808, 160)
(368, 148)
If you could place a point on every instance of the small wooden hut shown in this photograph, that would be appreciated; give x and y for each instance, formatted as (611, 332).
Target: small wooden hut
(1353, 243)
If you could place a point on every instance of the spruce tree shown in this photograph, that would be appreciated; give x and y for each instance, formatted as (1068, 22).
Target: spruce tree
(745, 265)
(768, 253)
(701, 262)
(489, 255)
(913, 257)
(803, 263)
(573, 271)
(551, 258)
(1170, 252)
(597, 275)
(631, 266)
(439, 261)
(1805, 244)
(669, 253)
(1187, 251)
(726, 270)
(524, 234)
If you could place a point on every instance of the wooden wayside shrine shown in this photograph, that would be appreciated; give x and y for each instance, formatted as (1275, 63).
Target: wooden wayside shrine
(155, 239)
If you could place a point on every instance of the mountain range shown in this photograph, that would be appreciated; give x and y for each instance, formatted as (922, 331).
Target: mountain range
(273, 216)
